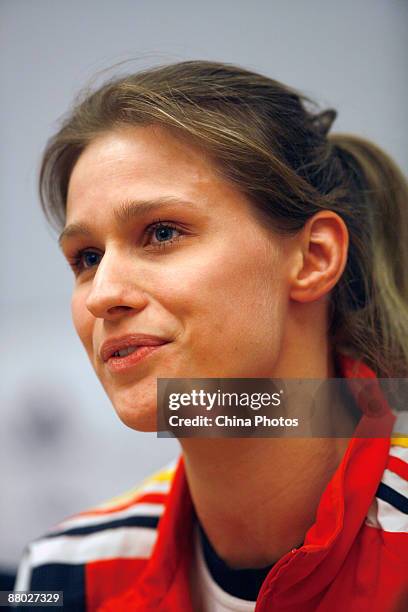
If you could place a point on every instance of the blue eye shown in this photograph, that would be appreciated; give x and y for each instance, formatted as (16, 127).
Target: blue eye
(90, 259)
(163, 233)
(84, 260)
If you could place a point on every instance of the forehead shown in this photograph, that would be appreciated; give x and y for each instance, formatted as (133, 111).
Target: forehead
(143, 163)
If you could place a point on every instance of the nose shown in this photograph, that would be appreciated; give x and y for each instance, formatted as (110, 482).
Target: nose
(115, 292)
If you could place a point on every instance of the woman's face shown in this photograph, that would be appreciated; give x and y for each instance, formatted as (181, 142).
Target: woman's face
(171, 264)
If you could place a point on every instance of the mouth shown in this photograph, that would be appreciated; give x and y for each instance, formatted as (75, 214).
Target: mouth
(119, 354)
(119, 363)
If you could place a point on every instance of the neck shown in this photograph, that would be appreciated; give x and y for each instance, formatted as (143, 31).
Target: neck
(252, 498)
(257, 497)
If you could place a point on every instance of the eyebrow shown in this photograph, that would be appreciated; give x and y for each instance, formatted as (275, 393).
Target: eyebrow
(125, 212)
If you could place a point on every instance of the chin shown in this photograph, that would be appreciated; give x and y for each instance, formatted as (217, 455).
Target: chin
(139, 417)
(135, 402)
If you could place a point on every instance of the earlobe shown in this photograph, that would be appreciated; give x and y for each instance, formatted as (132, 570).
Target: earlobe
(323, 246)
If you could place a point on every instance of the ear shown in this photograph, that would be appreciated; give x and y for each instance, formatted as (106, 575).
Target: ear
(322, 248)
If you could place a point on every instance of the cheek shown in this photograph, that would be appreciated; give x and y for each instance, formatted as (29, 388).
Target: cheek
(219, 286)
(251, 305)
(231, 307)
(251, 322)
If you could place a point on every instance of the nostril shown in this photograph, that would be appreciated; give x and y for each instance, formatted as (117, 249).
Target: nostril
(119, 309)
(115, 301)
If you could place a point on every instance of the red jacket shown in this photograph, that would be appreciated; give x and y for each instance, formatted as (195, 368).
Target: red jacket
(121, 557)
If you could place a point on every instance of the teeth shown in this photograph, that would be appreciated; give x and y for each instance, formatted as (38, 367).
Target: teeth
(124, 352)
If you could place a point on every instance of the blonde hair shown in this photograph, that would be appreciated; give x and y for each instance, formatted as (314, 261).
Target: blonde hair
(272, 143)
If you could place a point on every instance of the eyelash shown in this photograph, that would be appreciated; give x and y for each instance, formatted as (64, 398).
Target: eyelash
(76, 262)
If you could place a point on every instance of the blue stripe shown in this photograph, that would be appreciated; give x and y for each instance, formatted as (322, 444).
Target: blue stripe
(394, 498)
(59, 577)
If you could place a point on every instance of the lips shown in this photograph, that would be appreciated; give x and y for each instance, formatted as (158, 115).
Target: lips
(111, 347)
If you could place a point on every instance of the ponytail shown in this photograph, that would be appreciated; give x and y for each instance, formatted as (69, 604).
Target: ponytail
(371, 302)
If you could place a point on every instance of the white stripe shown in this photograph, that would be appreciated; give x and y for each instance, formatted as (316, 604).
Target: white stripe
(395, 482)
(97, 519)
(24, 573)
(399, 451)
(125, 542)
(391, 519)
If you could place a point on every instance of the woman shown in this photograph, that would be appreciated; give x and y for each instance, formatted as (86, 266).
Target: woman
(216, 230)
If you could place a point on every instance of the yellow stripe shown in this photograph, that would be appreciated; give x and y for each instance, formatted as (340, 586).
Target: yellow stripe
(160, 476)
(399, 439)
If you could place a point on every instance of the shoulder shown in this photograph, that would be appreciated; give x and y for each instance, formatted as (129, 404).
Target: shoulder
(123, 528)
